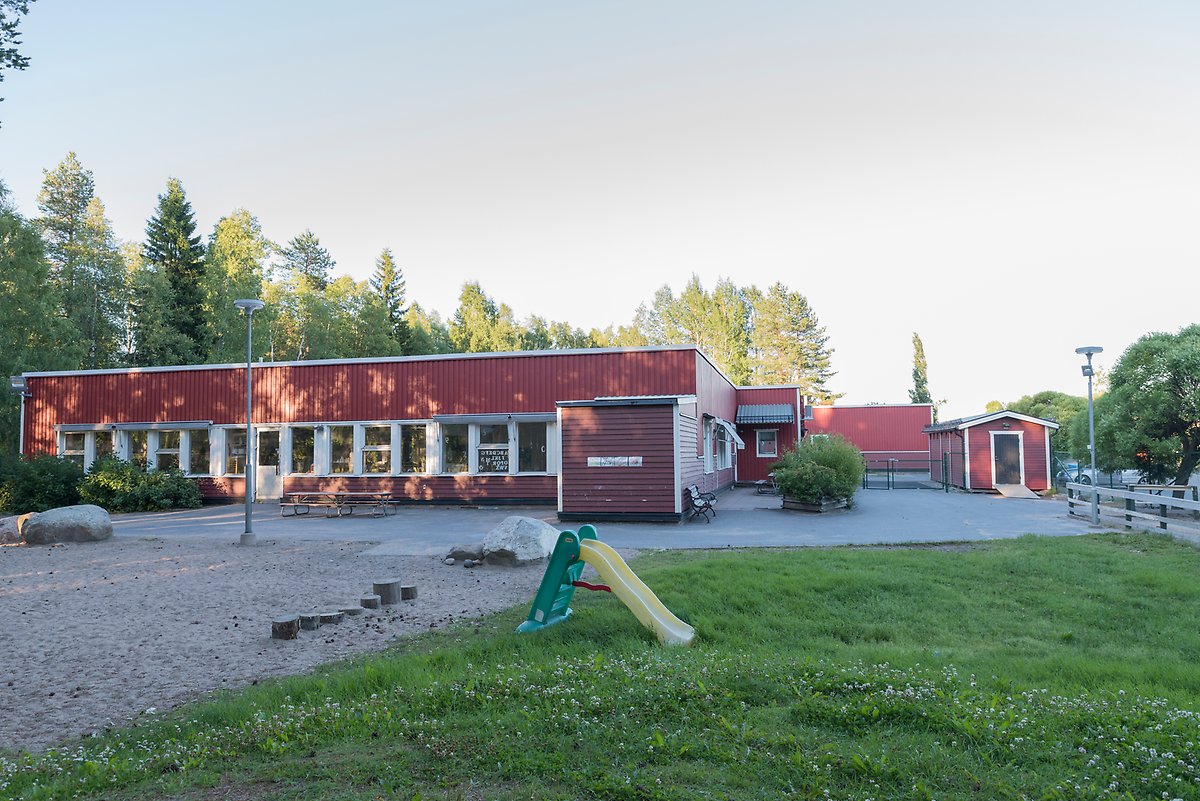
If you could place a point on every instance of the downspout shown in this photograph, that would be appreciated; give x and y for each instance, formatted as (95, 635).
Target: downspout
(21, 430)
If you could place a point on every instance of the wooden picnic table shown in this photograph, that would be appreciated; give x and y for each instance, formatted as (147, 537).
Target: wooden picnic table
(339, 502)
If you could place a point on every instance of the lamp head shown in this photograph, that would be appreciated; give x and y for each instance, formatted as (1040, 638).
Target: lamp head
(16, 384)
(249, 305)
(1088, 350)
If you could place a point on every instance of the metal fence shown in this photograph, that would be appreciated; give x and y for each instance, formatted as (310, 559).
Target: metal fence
(902, 474)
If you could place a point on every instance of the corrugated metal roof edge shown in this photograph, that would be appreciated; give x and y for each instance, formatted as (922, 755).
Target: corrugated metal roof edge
(516, 354)
(634, 400)
(868, 405)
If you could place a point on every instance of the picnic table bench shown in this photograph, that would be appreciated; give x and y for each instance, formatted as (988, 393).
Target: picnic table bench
(338, 503)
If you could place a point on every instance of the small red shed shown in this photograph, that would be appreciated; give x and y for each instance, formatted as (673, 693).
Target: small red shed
(983, 452)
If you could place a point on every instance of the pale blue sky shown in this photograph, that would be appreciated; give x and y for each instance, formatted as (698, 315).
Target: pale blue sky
(1011, 180)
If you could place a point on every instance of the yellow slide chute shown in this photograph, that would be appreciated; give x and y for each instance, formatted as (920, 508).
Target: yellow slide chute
(640, 599)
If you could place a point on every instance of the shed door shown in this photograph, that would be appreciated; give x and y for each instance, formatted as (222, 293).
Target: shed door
(1007, 453)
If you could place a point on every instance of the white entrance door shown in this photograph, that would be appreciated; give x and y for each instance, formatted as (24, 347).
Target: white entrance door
(268, 483)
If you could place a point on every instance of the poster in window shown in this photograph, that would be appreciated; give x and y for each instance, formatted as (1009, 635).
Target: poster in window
(493, 460)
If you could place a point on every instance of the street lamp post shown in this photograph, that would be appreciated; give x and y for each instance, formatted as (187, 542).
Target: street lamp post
(1089, 351)
(249, 306)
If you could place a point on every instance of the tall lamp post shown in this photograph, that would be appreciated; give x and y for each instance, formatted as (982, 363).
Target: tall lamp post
(1089, 351)
(249, 306)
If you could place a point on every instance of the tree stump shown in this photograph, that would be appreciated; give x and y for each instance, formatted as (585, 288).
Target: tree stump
(370, 601)
(351, 611)
(310, 622)
(408, 592)
(388, 591)
(328, 618)
(285, 628)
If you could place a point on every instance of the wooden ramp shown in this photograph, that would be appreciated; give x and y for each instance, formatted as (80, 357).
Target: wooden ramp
(1015, 491)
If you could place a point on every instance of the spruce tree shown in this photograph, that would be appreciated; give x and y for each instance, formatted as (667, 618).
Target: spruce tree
(174, 251)
(388, 285)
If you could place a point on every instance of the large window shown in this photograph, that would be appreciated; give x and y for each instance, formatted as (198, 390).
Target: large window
(73, 448)
(198, 464)
(138, 448)
(377, 449)
(304, 450)
(166, 455)
(531, 447)
(767, 442)
(455, 448)
(493, 448)
(341, 449)
(412, 449)
(104, 444)
(235, 452)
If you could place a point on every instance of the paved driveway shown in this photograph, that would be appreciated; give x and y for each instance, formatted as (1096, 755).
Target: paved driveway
(743, 520)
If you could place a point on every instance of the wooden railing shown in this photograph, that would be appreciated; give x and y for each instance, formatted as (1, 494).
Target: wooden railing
(1129, 506)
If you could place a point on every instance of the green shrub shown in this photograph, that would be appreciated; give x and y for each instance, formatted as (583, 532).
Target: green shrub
(35, 485)
(820, 469)
(119, 486)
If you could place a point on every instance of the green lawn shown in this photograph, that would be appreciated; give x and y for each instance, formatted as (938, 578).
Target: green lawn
(1036, 668)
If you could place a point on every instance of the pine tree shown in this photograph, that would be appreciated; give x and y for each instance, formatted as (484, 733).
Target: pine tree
(85, 261)
(10, 22)
(306, 259)
(789, 344)
(920, 373)
(173, 249)
(389, 288)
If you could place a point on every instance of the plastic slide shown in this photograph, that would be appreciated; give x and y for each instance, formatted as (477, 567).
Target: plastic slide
(640, 599)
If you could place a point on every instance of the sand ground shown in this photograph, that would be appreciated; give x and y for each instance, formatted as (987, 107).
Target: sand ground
(95, 634)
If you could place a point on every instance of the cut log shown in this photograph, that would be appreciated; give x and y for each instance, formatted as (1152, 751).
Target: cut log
(328, 618)
(351, 611)
(370, 601)
(388, 591)
(285, 628)
(408, 592)
(310, 621)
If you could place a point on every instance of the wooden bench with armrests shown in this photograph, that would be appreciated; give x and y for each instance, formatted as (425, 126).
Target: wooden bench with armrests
(700, 503)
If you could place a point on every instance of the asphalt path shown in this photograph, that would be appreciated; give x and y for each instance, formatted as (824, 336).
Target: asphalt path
(879, 517)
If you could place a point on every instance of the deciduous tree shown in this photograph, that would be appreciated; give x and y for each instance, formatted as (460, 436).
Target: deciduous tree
(235, 267)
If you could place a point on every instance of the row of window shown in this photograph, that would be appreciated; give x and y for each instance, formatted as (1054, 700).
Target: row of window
(329, 449)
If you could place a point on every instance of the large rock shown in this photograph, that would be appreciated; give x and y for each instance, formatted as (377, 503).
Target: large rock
(84, 523)
(8, 531)
(519, 540)
(463, 552)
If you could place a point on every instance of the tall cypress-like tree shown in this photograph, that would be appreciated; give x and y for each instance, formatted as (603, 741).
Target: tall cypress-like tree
(920, 373)
(173, 249)
(388, 285)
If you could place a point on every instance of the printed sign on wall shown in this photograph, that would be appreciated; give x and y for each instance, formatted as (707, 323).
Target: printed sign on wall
(614, 461)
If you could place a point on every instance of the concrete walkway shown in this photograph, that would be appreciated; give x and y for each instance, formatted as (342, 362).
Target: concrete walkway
(743, 520)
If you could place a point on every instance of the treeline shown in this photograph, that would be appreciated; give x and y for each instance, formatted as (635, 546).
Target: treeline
(74, 297)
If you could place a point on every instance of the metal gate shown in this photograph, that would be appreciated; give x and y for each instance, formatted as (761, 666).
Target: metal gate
(935, 474)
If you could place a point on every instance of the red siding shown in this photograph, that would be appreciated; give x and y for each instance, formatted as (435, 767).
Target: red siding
(387, 390)
(880, 432)
(471, 489)
(750, 466)
(1034, 447)
(646, 431)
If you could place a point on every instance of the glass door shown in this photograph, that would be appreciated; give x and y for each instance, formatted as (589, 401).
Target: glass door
(268, 483)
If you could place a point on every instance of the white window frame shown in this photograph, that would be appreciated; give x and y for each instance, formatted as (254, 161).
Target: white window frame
(363, 449)
(708, 446)
(758, 443)
(82, 453)
(355, 444)
(224, 453)
(154, 439)
(398, 436)
(514, 440)
(722, 448)
(185, 452)
(316, 454)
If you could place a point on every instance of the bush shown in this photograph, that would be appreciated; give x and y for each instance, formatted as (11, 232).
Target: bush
(820, 469)
(35, 485)
(119, 486)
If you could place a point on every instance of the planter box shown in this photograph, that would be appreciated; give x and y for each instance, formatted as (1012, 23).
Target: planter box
(804, 506)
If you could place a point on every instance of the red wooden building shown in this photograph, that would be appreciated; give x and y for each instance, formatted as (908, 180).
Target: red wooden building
(881, 431)
(986, 450)
(604, 433)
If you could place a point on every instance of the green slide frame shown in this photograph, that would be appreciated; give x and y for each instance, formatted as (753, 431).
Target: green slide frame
(552, 603)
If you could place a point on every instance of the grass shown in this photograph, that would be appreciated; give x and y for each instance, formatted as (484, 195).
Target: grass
(1036, 668)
